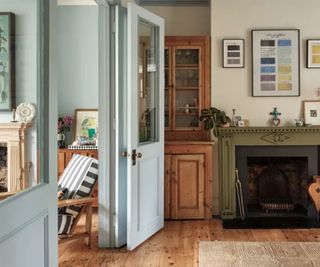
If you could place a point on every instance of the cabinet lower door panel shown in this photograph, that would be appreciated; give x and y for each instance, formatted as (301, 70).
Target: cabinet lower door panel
(167, 187)
(187, 187)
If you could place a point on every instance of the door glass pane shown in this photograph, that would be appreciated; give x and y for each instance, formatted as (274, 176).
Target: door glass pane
(148, 102)
(22, 95)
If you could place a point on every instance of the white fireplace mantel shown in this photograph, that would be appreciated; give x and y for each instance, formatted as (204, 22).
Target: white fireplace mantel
(14, 135)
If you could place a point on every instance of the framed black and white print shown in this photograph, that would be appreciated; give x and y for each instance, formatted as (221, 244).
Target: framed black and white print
(311, 112)
(233, 53)
(276, 62)
(313, 54)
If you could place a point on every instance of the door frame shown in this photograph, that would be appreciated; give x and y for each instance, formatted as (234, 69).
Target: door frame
(106, 186)
(104, 152)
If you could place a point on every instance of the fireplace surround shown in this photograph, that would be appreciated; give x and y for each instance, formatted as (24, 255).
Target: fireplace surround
(13, 137)
(253, 149)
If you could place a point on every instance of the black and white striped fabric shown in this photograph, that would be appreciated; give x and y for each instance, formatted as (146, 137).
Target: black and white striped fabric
(83, 147)
(79, 177)
(64, 223)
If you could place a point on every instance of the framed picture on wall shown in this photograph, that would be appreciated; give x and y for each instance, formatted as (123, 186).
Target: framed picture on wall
(276, 62)
(86, 122)
(233, 53)
(312, 112)
(313, 54)
(7, 61)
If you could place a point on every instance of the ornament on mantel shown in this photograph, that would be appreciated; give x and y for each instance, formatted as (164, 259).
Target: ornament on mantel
(26, 112)
(14, 115)
(275, 117)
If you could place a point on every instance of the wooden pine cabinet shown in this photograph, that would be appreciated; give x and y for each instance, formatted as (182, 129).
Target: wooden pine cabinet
(65, 155)
(188, 159)
(187, 86)
(188, 180)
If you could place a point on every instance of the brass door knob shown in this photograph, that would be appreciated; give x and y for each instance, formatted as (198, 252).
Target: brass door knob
(135, 156)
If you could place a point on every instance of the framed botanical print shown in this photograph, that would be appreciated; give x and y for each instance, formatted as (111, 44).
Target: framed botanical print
(313, 54)
(233, 53)
(276, 62)
(7, 61)
(86, 120)
(312, 112)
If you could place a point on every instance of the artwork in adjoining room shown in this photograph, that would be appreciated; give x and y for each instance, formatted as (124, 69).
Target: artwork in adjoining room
(312, 112)
(233, 53)
(276, 62)
(7, 61)
(86, 123)
(313, 54)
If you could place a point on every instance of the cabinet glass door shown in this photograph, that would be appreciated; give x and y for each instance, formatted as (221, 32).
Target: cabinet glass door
(187, 84)
(168, 87)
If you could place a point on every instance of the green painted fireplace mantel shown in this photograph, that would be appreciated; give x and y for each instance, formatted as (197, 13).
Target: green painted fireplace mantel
(230, 137)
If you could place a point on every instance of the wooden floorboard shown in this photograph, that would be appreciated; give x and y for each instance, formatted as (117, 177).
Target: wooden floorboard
(176, 245)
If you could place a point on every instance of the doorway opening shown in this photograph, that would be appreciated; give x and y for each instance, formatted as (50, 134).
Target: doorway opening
(78, 107)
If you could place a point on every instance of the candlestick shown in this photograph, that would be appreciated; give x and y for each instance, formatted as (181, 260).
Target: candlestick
(14, 115)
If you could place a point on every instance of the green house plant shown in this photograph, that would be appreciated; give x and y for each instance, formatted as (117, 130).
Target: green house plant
(213, 118)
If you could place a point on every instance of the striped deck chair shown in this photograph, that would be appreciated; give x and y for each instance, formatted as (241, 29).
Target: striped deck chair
(77, 183)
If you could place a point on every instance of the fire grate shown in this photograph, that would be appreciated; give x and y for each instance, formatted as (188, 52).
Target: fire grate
(276, 205)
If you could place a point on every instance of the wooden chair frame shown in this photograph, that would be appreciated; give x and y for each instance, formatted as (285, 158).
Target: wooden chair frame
(86, 204)
(87, 207)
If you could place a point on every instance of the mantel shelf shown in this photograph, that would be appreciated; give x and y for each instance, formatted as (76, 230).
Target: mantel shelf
(14, 125)
(288, 129)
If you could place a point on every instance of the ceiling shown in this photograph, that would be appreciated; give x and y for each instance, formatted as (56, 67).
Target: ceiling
(174, 2)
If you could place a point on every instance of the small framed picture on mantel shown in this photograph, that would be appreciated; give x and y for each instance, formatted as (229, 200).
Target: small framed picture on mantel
(311, 112)
(233, 53)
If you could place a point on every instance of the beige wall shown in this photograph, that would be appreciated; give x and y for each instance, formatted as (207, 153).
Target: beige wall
(231, 88)
(184, 20)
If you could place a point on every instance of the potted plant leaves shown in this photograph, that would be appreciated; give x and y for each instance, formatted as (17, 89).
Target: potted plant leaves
(213, 118)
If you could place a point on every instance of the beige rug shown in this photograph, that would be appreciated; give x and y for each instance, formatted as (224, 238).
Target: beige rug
(259, 254)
